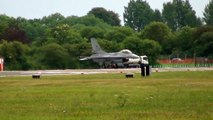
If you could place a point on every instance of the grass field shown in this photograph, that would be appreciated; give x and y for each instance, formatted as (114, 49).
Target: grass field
(162, 96)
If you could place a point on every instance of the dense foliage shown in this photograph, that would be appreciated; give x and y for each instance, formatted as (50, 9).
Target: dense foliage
(138, 14)
(57, 42)
(178, 14)
(208, 13)
(107, 16)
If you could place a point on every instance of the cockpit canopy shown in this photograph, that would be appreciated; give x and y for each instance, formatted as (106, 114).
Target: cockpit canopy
(126, 51)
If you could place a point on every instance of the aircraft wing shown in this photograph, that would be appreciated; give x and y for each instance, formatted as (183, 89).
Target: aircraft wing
(111, 56)
(100, 57)
(106, 56)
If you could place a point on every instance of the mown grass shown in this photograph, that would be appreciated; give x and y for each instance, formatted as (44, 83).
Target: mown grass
(169, 95)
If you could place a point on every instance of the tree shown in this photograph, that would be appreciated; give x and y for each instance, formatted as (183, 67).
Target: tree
(157, 31)
(147, 47)
(75, 51)
(178, 14)
(4, 22)
(35, 30)
(203, 41)
(152, 49)
(89, 20)
(184, 40)
(200, 30)
(107, 16)
(53, 19)
(63, 34)
(138, 14)
(118, 34)
(109, 46)
(15, 33)
(15, 55)
(208, 13)
(92, 32)
(133, 43)
(205, 45)
(161, 33)
(53, 56)
(157, 16)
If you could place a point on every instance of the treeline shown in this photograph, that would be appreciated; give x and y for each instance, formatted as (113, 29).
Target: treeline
(57, 42)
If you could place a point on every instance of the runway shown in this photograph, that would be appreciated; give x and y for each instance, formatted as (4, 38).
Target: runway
(66, 72)
(94, 71)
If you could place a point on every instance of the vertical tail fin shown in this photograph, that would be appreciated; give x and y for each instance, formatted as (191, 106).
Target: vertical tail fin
(95, 47)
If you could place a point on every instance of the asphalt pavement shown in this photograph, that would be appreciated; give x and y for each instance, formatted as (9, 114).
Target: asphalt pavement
(94, 71)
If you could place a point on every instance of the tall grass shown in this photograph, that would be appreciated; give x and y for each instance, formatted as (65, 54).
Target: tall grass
(169, 95)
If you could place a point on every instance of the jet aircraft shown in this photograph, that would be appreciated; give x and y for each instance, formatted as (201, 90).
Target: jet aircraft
(117, 59)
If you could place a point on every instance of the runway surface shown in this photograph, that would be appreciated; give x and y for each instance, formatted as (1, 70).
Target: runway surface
(94, 71)
(66, 72)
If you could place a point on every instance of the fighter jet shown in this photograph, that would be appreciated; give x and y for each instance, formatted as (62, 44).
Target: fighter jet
(105, 59)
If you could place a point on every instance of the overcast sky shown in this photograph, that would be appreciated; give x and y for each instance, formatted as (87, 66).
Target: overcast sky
(31, 9)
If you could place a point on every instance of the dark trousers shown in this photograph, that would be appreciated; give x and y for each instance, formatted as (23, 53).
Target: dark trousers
(145, 70)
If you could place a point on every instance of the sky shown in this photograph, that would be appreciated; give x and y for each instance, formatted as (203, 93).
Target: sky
(31, 9)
